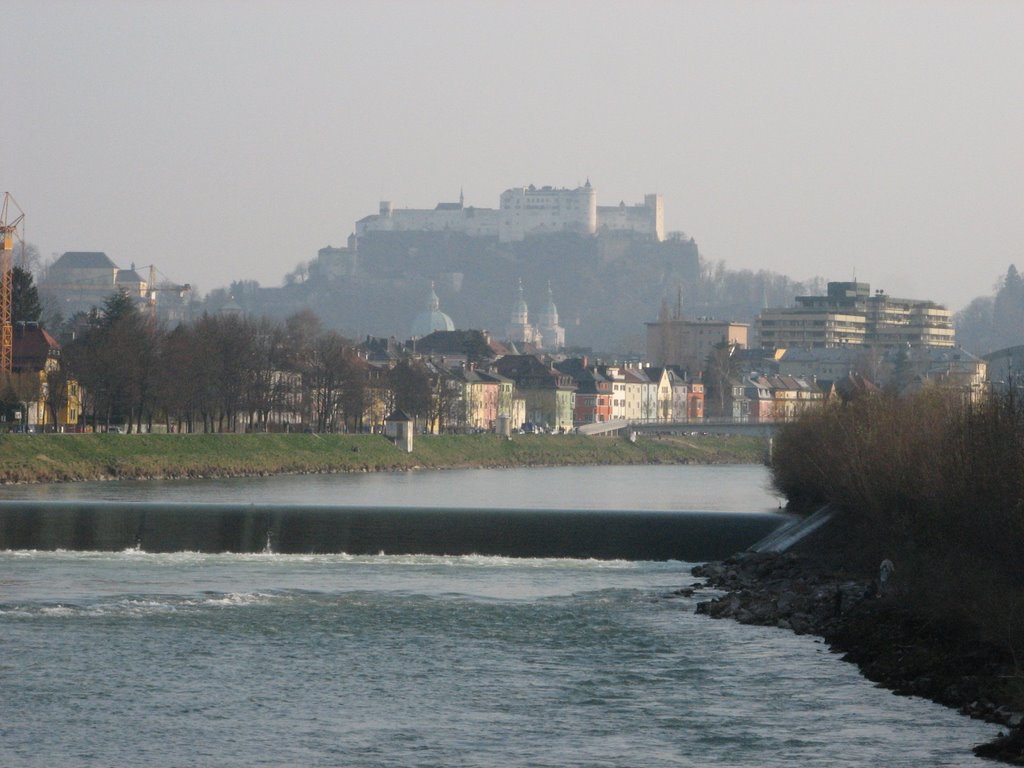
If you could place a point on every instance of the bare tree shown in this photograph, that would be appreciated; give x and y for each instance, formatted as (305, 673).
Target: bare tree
(56, 392)
(267, 383)
(18, 391)
(720, 370)
(411, 387)
(325, 379)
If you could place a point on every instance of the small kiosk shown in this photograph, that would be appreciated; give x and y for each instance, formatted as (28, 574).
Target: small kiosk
(399, 427)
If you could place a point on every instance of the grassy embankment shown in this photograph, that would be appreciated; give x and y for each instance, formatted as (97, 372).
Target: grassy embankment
(52, 458)
(933, 485)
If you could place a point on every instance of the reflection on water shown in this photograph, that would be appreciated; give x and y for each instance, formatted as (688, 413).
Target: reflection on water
(732, 488)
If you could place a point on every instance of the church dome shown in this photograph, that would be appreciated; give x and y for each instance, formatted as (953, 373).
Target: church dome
(432, 318)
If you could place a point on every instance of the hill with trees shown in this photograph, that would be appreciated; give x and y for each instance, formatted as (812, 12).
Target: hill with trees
(994, 322)
(605, 287)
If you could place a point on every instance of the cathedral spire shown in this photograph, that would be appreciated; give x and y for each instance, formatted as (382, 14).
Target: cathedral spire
(551, 332)
(519, 330)
(520, 311)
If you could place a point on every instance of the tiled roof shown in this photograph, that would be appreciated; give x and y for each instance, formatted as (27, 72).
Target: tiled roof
(128, 276)
(84, 260)
(32, 346)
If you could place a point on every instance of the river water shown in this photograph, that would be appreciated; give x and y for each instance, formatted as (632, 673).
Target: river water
(188, 659)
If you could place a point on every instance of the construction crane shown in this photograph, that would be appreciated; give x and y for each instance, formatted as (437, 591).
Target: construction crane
(152, 288)
(11, 229)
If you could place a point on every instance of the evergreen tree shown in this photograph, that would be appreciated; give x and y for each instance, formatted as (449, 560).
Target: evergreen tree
(116, 307)
(114, 359)
(25, 306)
(994, 322)
(902, 373)
(1008, 311)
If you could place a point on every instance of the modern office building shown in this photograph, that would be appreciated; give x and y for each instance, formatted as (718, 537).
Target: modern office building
(849, 314)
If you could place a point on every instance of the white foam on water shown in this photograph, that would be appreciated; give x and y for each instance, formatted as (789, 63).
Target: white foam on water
(236, 599)
(136, 607)
(472, 560)
(58, 610)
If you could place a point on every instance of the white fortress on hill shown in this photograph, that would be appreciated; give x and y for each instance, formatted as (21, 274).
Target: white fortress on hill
(524, 212)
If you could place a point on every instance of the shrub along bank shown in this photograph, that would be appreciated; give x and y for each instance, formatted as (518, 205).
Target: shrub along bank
(937, 487)
(930, 483)
(72, 457)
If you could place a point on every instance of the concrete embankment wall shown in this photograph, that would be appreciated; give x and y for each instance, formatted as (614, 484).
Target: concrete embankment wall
(603, 534)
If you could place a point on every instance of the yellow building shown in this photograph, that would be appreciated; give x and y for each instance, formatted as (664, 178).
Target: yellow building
(51, 400)
(688, 343)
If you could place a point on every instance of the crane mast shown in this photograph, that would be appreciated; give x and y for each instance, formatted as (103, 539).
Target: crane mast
(9, 232)
(152, 288)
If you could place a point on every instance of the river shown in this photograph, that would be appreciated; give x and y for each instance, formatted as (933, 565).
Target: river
(121, 658)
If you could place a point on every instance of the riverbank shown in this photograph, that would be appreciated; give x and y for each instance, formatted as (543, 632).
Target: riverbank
(81, 457)
(911, 652)
(933, 483)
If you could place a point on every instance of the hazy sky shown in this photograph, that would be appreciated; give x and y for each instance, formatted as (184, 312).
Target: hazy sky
(228, 140)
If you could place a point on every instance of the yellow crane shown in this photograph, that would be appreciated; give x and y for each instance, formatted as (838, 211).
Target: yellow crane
(10, 230)
(152, 288)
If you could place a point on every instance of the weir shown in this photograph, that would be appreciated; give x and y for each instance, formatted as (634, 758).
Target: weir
(287, 529)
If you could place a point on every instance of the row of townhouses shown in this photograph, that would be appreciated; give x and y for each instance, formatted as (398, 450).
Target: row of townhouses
(836, 345)
(481, 391)
(555, 395)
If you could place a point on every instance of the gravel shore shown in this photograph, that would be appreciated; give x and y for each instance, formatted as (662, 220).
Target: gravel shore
(891, 644)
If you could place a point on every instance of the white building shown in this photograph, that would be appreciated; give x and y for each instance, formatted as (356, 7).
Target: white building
(641, 395)
(645, 218)
(618, 381)
(531, 211)
(525, 212)
(444, 217)
(849, 314)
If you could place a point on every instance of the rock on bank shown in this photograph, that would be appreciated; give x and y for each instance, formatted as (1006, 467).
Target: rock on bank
(891, 644)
